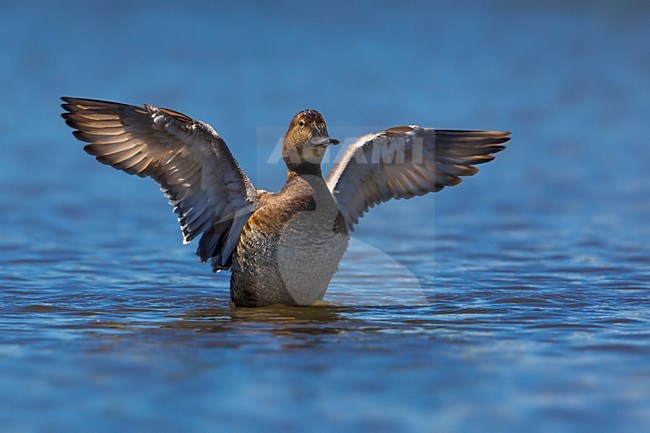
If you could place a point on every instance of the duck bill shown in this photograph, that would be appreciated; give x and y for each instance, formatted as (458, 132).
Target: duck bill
(323, 141)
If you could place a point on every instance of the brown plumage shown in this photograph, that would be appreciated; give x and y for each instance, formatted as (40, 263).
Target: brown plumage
(406, 161)
(283, 248)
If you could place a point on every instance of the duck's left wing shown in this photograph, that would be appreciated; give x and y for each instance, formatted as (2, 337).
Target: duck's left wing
(406, 161)
(186, 157)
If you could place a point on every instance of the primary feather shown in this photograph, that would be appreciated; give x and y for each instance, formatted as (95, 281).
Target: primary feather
(406, 161)
(187, 158)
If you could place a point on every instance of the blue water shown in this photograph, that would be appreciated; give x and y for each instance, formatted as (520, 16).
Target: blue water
(517, 301)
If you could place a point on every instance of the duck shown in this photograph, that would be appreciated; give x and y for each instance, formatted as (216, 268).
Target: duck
(281, 247)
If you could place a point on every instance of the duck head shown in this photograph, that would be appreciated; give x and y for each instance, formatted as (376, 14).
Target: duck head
(306, 140)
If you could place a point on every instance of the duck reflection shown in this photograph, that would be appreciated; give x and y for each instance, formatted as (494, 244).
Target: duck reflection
(272, 321)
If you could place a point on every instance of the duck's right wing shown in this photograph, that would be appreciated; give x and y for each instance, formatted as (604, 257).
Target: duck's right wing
(406, 161)
(187, 158)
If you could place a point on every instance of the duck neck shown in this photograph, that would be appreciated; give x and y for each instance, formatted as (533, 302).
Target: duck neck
(303, 169)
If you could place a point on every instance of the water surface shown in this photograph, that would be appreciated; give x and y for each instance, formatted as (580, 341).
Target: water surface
(516, 301)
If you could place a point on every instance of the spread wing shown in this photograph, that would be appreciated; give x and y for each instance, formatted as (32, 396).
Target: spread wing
(187, 158)
(406, 161)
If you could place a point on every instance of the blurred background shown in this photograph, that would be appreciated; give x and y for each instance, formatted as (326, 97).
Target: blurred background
(533, 275)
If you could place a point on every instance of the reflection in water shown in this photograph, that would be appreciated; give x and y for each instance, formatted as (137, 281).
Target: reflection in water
(276, 320)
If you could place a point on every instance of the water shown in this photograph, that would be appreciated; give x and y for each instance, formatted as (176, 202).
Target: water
(516, 301)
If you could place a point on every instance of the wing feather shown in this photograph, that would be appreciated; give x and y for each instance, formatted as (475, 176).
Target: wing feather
(187, 158)
(406, 161)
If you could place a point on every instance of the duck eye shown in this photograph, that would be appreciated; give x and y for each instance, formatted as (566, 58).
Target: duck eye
(301, 123)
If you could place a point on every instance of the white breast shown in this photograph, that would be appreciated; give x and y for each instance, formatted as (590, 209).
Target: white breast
(309, 249)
